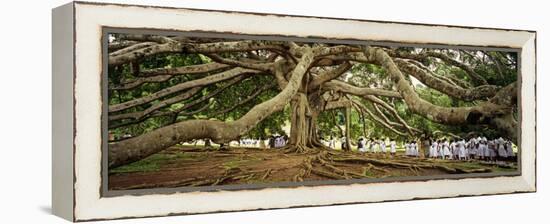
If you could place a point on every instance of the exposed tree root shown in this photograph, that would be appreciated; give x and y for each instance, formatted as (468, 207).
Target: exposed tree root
(374, 162)
(372, 167)
(312, 164)
(299, 176)
(331, 175)
(328, 159)
(266, 174)
(300, 149)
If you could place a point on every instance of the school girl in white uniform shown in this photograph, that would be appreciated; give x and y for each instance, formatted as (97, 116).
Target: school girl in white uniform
(501, 150)
(454, 150)
(414, 149)
(472, 150)
(481, 149)
(407, 149)
(509, 149)
(446, 150)
(375, 146)
(461, 149)
(433, 150)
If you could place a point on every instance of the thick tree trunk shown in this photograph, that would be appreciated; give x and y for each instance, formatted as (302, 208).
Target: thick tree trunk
(303, 130)
(300, 120)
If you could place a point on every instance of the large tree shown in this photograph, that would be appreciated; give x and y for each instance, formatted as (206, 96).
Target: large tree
(176, 89)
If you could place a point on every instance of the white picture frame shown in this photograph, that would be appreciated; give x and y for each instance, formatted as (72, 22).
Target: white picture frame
(77, 110)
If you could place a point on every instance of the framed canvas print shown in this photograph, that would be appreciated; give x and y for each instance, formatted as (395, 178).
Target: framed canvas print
(161, 111)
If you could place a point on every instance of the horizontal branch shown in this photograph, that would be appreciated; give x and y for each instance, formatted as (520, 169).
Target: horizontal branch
(328, 75)
(469, 70)
(337, 104)
(479, 80)
(229, 74)
(429, 79)
(140, 114)
(203, 98)
(170, 47)
(261, 66)
(144, 38)
(131, 48)
(165, 74)
(359, 91)
(117, 45)
(203, 48)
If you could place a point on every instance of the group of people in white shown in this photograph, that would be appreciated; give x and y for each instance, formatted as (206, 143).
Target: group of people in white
(274, 141)
(249, 142)
(378, 145)
(277, 141)
(458, 149)
(475, 148)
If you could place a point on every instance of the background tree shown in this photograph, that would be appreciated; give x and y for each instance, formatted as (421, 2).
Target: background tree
(164, 90)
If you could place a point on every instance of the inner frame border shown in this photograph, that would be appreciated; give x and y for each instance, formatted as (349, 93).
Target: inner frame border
(106, 30)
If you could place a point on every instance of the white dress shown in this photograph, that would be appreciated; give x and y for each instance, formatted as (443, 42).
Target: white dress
(375, 147)
(383, 146)
(414, 149)
(407, 149)
(433, 150)
(446, 150)
(361, 147)
(454, 149)
(482, 150)
(392, 146)
(279, 142)
(461, 149)
(472, 147)
(501, 150)
(493, 149)
(509, 149)
(486, 150)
